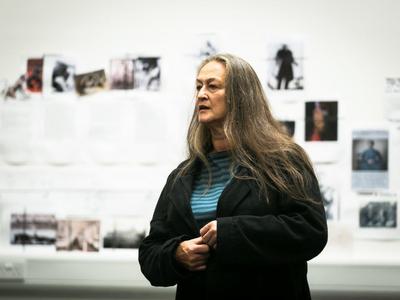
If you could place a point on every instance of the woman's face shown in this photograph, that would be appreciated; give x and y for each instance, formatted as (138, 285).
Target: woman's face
(210, 95)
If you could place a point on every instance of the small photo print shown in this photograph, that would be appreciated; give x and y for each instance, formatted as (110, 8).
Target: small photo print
(370, 154)
(80, 235)
(377, 214)
(392, 85)
(330, 200)
(147, 73)
(18, 90)
(288, 127)
(58, 75)
(32, 229)
(90, 83)
(34, 75)
(207, 46)
(321, 121)
(122, 74)
(285, 66)
(124, 233)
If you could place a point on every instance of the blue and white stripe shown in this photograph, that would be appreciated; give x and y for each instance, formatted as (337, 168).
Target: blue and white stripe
(204, 198)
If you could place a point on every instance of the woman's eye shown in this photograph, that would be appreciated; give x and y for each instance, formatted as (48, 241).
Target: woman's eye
(198, 88)
(212, 87)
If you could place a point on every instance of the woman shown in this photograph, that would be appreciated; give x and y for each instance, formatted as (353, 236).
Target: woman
(242, 215)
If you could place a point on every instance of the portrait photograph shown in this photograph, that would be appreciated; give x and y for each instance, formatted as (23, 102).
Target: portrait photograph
(370, 154)
(285, 66)
(370, 159)
(321, 121)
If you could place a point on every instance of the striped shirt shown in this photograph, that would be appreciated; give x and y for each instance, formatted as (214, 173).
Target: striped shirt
(204, 198)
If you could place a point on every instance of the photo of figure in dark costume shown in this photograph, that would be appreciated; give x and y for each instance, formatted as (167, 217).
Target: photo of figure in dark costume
(284, 59)
(285, 66)
(370, 154)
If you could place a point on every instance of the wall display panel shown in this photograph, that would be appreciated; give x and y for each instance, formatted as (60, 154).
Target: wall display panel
(67, 149)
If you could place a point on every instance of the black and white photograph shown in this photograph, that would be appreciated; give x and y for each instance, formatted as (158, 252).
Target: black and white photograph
(58, 75)
(392, 85)
(34, 75)
(78, 235)
(285, 66)
(329, 185)
(124, 233)
(207, 46)
(147, 73)
(288, 126)
(330, 200)
(376, 214)
(32, 229)
(321, 121)
(90, 83)
(17, 91)
(122, 74)
(370, 152)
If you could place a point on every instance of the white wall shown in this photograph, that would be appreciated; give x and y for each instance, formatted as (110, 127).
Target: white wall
(351, 46)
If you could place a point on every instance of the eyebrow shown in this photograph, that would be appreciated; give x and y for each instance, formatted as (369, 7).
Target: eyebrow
(208, 80)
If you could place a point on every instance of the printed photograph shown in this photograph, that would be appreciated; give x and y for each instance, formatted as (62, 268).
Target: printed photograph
(285, 66)
(58, 75)
(147, 73)
(370, 154)
(78, 235)
(17, 91)
(124, 233)
(90, 83)
(288, 127)
(378, 215)
(32, 229)
(122, 74)
(321, 121)
(34, 75)
(370, 159)
(330, 200)
(392, 85)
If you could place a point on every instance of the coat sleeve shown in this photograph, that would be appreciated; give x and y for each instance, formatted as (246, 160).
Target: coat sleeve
(298, 232)
(157, 251)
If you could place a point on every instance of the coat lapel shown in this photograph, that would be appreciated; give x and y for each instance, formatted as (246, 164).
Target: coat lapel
(182, 192)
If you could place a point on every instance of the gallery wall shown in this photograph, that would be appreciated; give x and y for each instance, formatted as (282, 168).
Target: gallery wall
(349, 50)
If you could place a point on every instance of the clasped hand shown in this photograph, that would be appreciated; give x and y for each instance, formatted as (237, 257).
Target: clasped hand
(193, 254)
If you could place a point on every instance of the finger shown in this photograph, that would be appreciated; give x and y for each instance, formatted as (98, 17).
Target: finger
(212, 241)
(199, 268)
(205, 228)
(198, 240)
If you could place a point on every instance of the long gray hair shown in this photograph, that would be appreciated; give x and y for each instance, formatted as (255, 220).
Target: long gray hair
(256, 139)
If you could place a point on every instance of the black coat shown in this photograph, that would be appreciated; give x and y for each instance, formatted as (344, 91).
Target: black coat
(262, 248)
